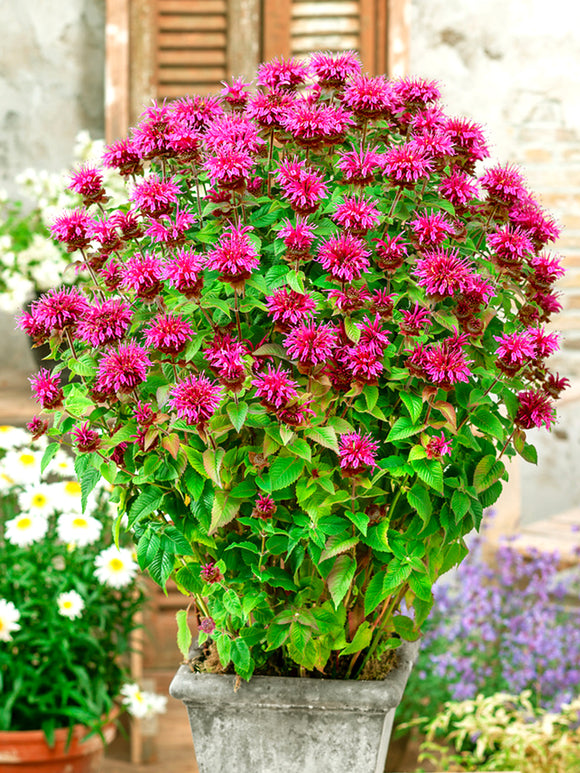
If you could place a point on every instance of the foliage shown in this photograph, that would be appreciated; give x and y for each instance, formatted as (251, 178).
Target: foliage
(288, 354)
(505, 732)
(65, 624)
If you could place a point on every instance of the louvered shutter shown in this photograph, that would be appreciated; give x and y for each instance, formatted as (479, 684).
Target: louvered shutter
(324, 26)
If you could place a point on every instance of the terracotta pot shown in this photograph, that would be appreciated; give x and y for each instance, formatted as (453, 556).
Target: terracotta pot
(26, 751)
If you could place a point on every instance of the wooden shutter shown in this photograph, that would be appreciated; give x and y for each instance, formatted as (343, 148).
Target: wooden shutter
(332, 25)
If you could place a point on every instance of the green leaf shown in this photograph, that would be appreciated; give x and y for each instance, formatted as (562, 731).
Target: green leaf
(489, 423)
(284, 471)
(488, 471)
(360, 520)
(301, 448)
(296, 280)
(460, 504)
(371, 394)
(88, 481)
(224, 509)
(238, 414)
(360, 641)
(413, 404)
(146, 503)
(232, 603)
(184, 637)
(375, 593)
(324, 436)
(529, 454)
(405, 627)
(430, 471)
(224, 648)
(340, 578)
(161, 567)
(242, 658)
(195, 458)
(335, 546)
(212, 462)
(397, 575)
(403, 428)
(420, 585)
(419, 499)
(48, 456)
(352, 331)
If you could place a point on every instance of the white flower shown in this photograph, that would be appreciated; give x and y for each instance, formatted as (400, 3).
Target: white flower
(13, 437)
(6, 482)
(70, 604)
(78, 529)
(26, 529)
(37, 500)
(22, 466)
(141, 704)
(68, 497)
(9, 617)
(61, 464)
(115, 567)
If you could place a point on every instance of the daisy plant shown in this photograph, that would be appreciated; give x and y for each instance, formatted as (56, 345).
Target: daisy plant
(303, 350)
(69, 597)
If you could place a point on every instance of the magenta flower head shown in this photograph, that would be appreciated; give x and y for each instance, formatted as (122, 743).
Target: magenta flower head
(105, 323)
(509, 245)
(122, 369)
(86, 439)
(504, 185)
(514, 351)
(123, 156)
(283, 74)
(264, 507)
(154, 196)
(288, 307)
(431, 228)
(142, 273)
(236, 93)
(356, 214)
(168, 333)
(360, 166)
(415, 321)
(345, 257)
(442, 272)
(446, 363)
(368, 97)
(88, 183)
(235, 256)
(211, 573)
(184, 271)
(357, 453)
(405, 164)
(333, 70)
(37, 427)
(46, 389)
(73, 229)
(391, 252)
(438, 446)
(171, 229)
(60, 308)
(310, 343)
(416, 93)
(297, 239)
(195, 399)
(207, 625)
(535, 410)
(275, 388)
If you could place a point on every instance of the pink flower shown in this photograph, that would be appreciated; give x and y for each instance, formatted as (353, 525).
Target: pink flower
(554, 385)
(233, 132)
(391, 252)
(46, 389)
(87, 439)
(547, 269)
(529, 216)
(127, 222)
(283, 74)
(368, 97)
(105, 322)
(544, 343)
(514, 351)
(416, 93)
(88, 183)
(442, 272)
(458, 187)
(364, 362)
(171, 230)
(333, 70)
(345, 257)
(535, 410)
(32, 326)
(207, 625)
(168, 333)
(297, 238)
(195, 399)
(264, 507)
(431, 228)
(185, 272)
(360, 166)
(185, 144)
(311, 125)
(301, 186)
(236, 93)
(142, 273)
(415, 321)
(73, 228)
(288, 307)
(503, 184)
(275, 388)
(229, 168)
(357, 452)
(416, 361)
(235, 257)
(60, 308)
(373, 334)
(468, 140)
(144, 415)
(310, 343)
(269, 109)
(438, 446)
(37, 427)
(356, 214)
(405, 164)
(510, 246)
(155, 196)
(123, 156)
(351, 298)
(195, 112)
(548, 303)
(296, 413)
(151, 135)
(106, 234)
(445, 363)
(210, 573)
(435, 145)
(121, 369)
(383, 303)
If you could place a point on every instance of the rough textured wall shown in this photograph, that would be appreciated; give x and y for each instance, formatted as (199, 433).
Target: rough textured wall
(51, 81)
(513, 65)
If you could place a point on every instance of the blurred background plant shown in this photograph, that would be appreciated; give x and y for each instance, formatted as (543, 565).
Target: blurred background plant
(31, 262)
(69, 597)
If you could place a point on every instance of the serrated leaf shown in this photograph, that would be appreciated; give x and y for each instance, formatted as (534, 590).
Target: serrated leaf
(371, 395)
(361, 639)
(232, 603)
(268, 350)
(448, 411)
(242, 658)
(88, 481)
(430, 471)
(488, 470)
(375, 593)
(405, 627)
(48, 456)
(195, 458)
(184, 637)
(224, 649)
(340, 578)
(224, 509)
(396, 575)
(340, 425)
(489, 423)
(146, 503)
(295, 280)
(301, 448)
(238, 414)
(336, 545)
(212, 462)
(413, 404)
(284, 471)
(360, 520)
(403, 428)
(161, 567)
(420, 585)
(352, 331)
(460, 504)
(419, 499)
(324, 436)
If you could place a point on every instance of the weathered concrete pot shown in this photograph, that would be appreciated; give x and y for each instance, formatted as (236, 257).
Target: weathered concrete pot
(291, 725)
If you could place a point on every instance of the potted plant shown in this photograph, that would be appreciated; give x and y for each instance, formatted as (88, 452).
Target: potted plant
(305, 348)
(68, 604)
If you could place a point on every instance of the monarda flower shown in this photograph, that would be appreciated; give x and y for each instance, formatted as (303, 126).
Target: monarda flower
(548, 303)
(442, 272)
(104, 323)
(171, 230)
(504, 185)
(383, 303)
(86, 439)
(264, 507)
(360, 166)
(364, 362)
(195, 399)
(185, 144)
(184, 271)
(268, 110)
(211, 573)
(207, 625)
(351, 298)
(554, 385)
(546, 269)
(32, 326)
(514, 351)
(535, 410)
(144, 415)
(37, 427)
(168, 333)
(345, 257)
(229, 168)
(310, 343)
(312, 125)
(106, 233)
(544, 344)
(196, 112)
(430, 229)
(297, 238)
(415, 93)
(357, 453)
(531, 218)
(468, 141)
(415, 321)
(142, 273)
(405, 164)
(236, 93)
(303, 187)
(368, 97)
(151, 135)
(88, 183)
(391, 252)
(356, 214)
(128, 223)
(333, 70)
(459, 188)
(73, 228)
(46, 389)
(275, 388)
(283, 74)
(60, 308)
(154, 196)
(509, 246)
(296, 413)
(235, 256)
(288, 307)
(373, 334)
(436, 145)
(445, 362)
(438, 446)
(121, 369)
(123, 156)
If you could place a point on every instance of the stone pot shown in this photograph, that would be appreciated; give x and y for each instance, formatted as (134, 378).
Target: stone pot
(292, 725)
(26, 751)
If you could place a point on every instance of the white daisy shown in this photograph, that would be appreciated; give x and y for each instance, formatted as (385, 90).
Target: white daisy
(12, 437)
(115, 567)
(68, 497)
(26, 529)
(62, 465)
(78, 529)
(9, 617)
(141, 704)
(70, 604)
(37, 500)
(22, 466)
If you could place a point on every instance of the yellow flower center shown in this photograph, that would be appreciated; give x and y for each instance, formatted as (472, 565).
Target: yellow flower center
(24, 523)
(7, 478)
(116, 564)
(39, 500)
(2, 626)
(73, 487)
(26, 459)
(67, 604)
(5, 428)
(80, 523)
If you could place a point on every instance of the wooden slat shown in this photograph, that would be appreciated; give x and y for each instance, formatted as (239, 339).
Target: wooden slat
(192, 23)
(276, 29)
(143, 56)
(398, 37)
(343, 25)
(192, 40)
(244, 38)
(173, 91)
(188, 57)
(117, 82)
(191, 6)
(191, 74)
(310, 10)
(367, 46)
(306, 44)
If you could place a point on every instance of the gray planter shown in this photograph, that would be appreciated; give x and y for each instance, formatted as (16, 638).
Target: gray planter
(291, 725)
